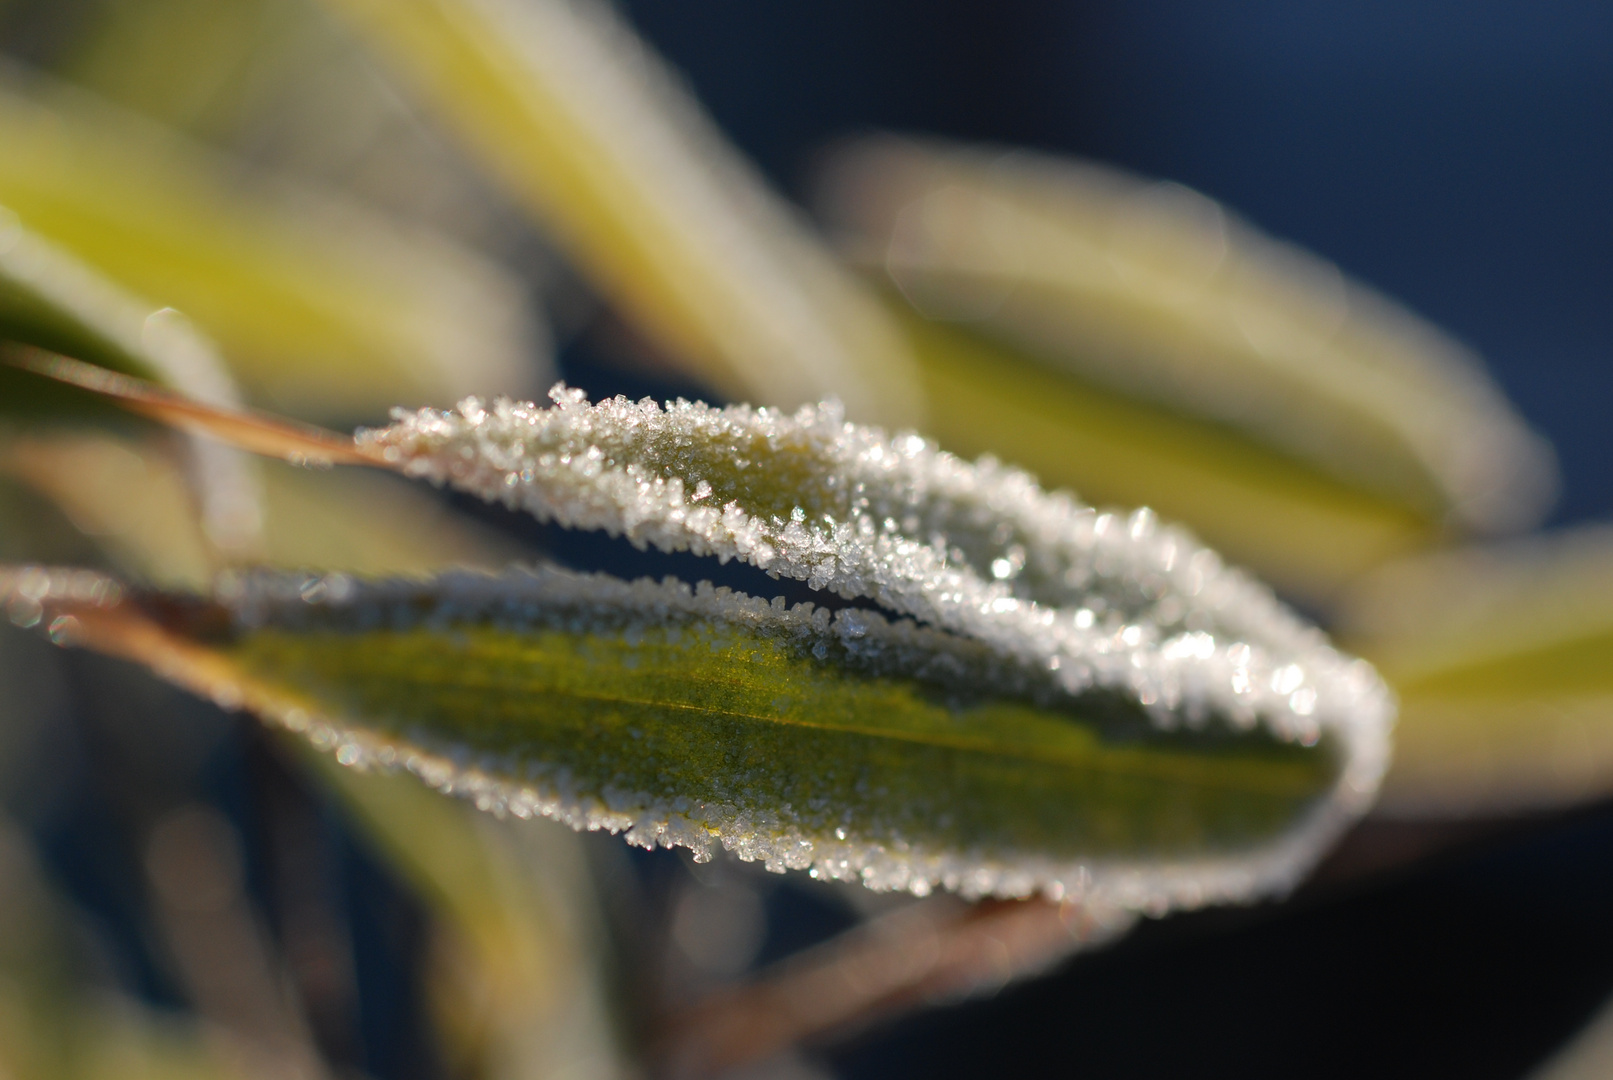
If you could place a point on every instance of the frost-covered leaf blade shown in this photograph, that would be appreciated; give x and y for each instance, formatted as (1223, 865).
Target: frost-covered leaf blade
(1091, 603)
(1503, 660)
(1157, 292)
(862, 747)
(321, 305)
(612, 156)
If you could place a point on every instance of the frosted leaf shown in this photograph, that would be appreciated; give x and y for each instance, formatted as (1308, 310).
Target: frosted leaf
(1093, 602)
(849, 744)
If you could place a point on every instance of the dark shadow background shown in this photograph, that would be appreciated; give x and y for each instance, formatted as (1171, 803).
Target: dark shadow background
(1457, 154)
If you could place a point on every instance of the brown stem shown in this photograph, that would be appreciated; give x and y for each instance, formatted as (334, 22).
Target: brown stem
(933, 950)
(259, 432)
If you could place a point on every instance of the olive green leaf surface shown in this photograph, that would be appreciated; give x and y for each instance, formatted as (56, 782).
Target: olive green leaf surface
(614, 159)
(1503, 660)
(847, 743)
(1154, 292)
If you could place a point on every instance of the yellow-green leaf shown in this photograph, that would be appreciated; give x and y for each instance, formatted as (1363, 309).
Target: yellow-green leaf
(613, 158)
(321, 305)
(1157, 292)
(1300, 528)
(51, 301)
(1503, 660)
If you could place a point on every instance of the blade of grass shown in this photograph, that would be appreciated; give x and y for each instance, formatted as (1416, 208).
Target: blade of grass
(610, 154)
(1159, 293)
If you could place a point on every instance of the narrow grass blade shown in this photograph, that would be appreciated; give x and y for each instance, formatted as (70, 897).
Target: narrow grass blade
(1157, 292)
(611, 155)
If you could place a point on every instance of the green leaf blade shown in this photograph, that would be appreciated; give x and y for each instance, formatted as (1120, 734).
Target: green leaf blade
(886, 752)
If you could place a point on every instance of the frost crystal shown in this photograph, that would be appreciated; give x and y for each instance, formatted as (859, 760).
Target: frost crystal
(1095, 600)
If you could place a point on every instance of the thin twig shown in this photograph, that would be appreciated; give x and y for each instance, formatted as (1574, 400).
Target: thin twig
(259, 432)
(935, 950)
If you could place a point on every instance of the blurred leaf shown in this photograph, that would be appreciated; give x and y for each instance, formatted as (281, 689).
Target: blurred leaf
(50, 301)
(1305, 531)
(1503, 660)
(322, 306)
(612, 156)
(132, 502)
(1156, 292)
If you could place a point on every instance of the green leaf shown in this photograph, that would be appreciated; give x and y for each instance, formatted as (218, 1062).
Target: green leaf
(610, 154)
(1503, 660)
(848, 743)
(1158, 293)
(51, 301)
(321, 305)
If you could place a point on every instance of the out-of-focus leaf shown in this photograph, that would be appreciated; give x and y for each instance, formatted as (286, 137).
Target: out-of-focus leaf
(322, 306)
(1588, 1055)
(609, 152)
(1503, 660)
(1305, 531)
(1157, 292)
(51, 301)
(133, 503)
(126, 498)
(285, 84)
